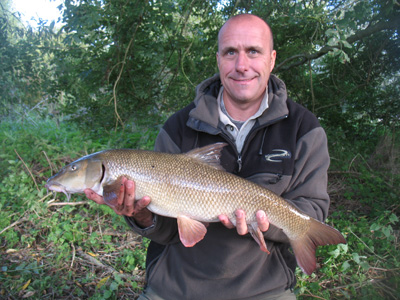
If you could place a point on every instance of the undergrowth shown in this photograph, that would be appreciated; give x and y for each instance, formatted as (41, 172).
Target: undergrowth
(51, 249)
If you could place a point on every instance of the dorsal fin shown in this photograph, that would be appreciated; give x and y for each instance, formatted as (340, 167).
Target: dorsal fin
(209, 155)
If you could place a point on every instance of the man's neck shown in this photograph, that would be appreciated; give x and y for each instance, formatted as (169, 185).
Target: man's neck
(241, 111)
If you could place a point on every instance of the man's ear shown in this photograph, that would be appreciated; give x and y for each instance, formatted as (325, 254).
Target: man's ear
(273, 58)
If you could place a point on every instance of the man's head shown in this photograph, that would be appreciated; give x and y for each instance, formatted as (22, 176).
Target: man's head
(248, 17)
(245, 58)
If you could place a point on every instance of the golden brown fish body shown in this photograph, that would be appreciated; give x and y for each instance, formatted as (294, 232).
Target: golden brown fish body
(192, 187)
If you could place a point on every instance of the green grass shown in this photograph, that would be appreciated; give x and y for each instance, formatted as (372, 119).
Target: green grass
(50, 250)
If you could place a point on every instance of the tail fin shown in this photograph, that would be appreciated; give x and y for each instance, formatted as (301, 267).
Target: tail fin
(319, 234)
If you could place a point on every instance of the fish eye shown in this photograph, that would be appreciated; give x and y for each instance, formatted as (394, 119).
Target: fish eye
(73, 167)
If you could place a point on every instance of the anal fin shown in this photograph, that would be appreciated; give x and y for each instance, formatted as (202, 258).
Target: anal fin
(258, 236)
(190, 231)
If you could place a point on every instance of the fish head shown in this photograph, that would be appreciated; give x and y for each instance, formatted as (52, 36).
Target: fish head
(79, 175)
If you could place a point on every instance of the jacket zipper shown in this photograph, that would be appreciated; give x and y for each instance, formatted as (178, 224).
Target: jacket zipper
(239, 162)
(233, 145)
(239, 155)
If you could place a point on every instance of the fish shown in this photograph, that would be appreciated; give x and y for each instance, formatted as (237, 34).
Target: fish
(194, 188)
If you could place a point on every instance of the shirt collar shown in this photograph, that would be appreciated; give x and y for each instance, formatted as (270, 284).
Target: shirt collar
(225, 118)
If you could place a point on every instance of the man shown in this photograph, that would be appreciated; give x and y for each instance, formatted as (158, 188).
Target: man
(271, 141)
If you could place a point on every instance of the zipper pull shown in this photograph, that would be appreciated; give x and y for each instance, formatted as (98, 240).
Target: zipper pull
(239, 161)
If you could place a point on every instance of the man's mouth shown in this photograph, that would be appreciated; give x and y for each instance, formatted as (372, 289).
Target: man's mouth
(242, 80)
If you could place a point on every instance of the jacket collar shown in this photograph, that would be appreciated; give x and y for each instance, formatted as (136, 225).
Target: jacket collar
(205, 117)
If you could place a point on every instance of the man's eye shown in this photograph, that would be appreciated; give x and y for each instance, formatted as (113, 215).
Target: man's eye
(253, 52)
(230, 52)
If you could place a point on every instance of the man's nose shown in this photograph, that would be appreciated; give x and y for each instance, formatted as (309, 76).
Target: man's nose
(242, 62)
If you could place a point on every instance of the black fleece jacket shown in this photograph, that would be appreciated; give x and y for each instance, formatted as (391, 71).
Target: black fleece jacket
(286, 151)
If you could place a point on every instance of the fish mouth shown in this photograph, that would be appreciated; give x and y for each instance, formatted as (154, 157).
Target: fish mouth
(56, 187)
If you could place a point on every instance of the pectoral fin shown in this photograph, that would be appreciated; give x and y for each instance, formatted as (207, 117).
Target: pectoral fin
(258, 236)
(111, 191)
(190, 231)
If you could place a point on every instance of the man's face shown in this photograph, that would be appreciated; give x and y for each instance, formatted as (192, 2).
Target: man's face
(245, 60)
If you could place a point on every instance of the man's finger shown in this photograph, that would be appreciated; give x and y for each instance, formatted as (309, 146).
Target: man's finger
(93, 196)
(262, 220)
(225, 221)
(241, 225)
(130, 190)
(129, 198)
(142, 215)
(121, 194)
(142, 203)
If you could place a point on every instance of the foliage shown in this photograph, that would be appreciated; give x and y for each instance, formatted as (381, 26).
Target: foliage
(115, 62)
(135, 56)
(48, 247)
(25, 72)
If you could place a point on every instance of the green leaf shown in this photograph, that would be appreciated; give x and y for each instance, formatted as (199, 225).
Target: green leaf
(375, 227)
(114, 286)
(387, 231)
(365, 266)
(346, 44)
(346, 265)
(356, 257)
(393, 219)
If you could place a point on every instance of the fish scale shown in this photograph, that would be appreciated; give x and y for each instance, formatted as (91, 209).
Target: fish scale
(193, 188)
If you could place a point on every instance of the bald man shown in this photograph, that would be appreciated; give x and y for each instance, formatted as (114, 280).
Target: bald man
(271, 141)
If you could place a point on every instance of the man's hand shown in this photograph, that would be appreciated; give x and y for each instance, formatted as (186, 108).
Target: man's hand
(241, 225)
(126, 204)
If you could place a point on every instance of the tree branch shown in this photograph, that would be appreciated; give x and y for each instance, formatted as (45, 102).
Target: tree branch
(300, 59)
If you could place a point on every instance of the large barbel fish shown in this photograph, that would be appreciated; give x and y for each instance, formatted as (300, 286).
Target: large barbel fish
(193, 188)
